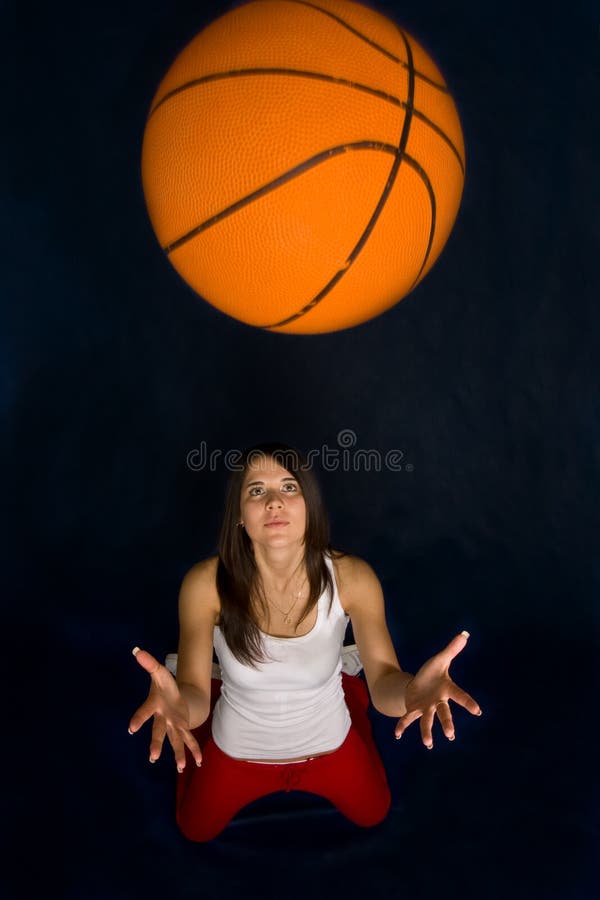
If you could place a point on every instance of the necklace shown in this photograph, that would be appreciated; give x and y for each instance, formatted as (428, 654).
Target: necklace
(286, 615)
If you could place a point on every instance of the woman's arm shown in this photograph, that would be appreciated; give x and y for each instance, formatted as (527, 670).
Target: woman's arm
(199, 609)
(425, 695)
(176, 708)
(362, 598)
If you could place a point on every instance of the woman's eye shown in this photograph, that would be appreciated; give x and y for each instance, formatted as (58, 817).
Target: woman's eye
(287, 488)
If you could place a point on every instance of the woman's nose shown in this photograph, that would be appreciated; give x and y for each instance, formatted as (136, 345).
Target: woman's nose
(274, 499)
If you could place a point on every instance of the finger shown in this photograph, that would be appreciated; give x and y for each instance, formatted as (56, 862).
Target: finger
(426, 728)
(159, 730)
(455, 646)
(193, 746)
(463, 699)
(406, 720)
(146, 660)
(141, 716)
(444, 715)
(178, 748)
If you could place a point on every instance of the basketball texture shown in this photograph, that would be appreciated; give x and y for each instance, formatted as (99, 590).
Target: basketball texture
(303, 164)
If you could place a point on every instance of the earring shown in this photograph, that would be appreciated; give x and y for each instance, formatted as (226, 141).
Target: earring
(241, 523)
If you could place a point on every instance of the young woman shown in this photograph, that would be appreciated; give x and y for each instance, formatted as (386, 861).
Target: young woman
(275, 604)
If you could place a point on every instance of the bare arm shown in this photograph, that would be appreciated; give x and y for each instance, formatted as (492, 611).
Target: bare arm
(362, 598)
(394, 692)
(198, 613)
(177, 708)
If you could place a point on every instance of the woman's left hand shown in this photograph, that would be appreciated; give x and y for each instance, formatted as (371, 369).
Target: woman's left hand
(428, 694)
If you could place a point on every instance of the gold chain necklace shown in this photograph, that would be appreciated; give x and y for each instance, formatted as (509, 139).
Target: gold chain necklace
(286, 615)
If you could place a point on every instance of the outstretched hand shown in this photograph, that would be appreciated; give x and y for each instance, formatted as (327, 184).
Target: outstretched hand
(428, 694)
(170, 712)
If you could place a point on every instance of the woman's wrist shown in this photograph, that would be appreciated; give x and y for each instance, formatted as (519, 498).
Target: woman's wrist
(198, 704)
(389, 693)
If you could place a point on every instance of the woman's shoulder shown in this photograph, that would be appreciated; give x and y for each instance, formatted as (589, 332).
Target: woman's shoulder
(200, 582)
(357, 583)
(203, 570)
(352, 571)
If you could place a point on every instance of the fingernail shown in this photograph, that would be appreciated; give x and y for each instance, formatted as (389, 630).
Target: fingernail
(398, 736)
(452, 738)
(429, 746)
(466, 633)
(130, 731)
(152, 760)
(480, 713)
(180, 769)
(135, 651)
(198, 763)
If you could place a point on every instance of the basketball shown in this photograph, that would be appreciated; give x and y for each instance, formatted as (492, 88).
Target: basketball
(302, 164)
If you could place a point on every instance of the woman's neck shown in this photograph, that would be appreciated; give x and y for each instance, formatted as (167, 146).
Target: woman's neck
(280, 567)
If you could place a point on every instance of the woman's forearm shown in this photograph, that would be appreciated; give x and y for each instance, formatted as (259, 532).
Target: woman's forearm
(388, 693)
(197, 702)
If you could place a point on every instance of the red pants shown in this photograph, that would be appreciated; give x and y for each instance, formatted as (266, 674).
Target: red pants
(352, 777)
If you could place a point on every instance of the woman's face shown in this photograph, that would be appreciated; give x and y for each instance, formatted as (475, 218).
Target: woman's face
(272, 507)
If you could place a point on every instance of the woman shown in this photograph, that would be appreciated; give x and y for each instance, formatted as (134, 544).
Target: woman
(275, 604)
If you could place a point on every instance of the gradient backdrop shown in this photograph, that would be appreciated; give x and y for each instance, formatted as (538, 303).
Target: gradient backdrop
(485, 378)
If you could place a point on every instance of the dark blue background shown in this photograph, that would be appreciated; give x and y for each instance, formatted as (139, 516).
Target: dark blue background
(486, 377)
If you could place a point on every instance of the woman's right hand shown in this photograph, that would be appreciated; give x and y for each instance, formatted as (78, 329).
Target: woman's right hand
(171, 716)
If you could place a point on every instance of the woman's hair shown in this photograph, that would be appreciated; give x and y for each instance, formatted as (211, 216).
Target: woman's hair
(238, 579)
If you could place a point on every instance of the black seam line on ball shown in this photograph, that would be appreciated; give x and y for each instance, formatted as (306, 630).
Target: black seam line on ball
(399, 153)
(371, 43)
(302, 73)
(429, 188)
(419, 115)
(273, 185)
(382, 95)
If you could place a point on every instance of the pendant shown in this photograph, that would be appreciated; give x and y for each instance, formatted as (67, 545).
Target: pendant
(288, 620)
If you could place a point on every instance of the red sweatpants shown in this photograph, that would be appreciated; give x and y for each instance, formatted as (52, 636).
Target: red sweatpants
(353, 777)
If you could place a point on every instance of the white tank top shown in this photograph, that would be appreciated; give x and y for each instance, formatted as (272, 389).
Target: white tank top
(292, 704)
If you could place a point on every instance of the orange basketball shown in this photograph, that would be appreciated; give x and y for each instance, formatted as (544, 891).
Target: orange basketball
(303, 164)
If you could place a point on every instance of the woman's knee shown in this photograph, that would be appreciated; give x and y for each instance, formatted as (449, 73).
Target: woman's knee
(199, 829)
(376, 813)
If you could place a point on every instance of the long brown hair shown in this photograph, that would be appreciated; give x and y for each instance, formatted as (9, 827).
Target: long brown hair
(237, 574)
